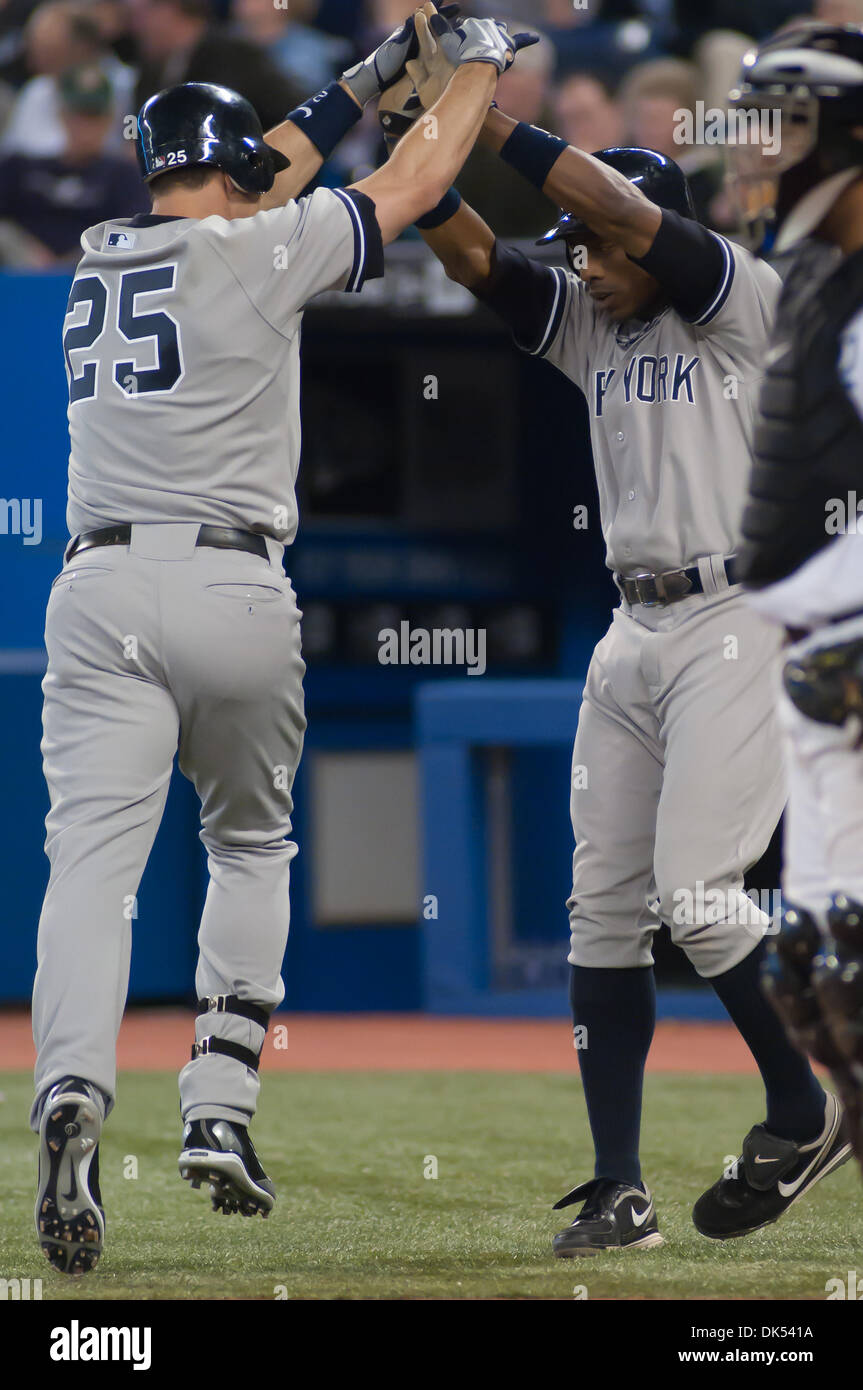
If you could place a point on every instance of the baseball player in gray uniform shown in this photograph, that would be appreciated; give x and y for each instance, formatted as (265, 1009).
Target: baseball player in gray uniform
(172, 625)
(677, 779)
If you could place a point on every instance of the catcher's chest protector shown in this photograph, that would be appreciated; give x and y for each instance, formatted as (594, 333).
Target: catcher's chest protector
(808, 443)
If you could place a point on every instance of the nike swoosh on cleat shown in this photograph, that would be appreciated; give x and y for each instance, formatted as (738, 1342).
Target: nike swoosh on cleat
(765, 1160)
(639, 1218)
(787, 1189)
(73, 1193)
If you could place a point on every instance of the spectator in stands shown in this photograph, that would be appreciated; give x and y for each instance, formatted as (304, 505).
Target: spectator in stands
(839, 11)
(178, 43)
(563, 14)
(386, 14)
(586, 113)
(60, 35)
(342, 17)
(653, 97)
(112, 20)
(7, 101)
(13, 17)
(608, 36)
(756, 18)
(305, 55)
(46, 202)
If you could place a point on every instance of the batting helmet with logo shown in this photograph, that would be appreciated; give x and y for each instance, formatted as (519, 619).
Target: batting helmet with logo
(658, 177)
(200, 123)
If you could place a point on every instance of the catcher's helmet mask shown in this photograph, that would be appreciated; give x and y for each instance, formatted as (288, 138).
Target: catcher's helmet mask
(812, 76)
(199, 123)
(660, 180)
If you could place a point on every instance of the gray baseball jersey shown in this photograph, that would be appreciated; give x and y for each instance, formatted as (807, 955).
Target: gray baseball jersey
(182, 347)
(671, 405)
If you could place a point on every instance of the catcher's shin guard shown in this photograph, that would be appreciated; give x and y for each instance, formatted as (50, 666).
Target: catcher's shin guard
(838, 978)
(786, 978)
(793, 960)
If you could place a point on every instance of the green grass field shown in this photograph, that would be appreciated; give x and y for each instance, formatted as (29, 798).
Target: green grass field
(357, 1219)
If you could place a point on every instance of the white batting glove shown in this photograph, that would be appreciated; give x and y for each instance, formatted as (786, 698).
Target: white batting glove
(386, 64)
(479, 41)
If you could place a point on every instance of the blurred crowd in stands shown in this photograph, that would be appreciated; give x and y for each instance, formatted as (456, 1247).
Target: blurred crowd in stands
(74, 72)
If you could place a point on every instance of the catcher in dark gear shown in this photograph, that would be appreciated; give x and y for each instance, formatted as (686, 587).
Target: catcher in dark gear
(802, 554)
(800, 142)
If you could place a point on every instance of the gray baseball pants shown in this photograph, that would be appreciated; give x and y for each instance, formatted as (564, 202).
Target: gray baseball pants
(154, 648)
(678, 783)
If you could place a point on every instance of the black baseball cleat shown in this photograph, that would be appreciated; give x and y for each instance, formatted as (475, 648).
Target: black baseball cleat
(615, 1216)
(221, 1153)
(70, 1219)
(770, 1176)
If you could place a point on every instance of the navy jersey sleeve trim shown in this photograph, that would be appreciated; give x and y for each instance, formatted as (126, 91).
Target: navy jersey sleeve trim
(530, 298)
(368, 242)
(693, 265)
(724, 288)
(558, 309)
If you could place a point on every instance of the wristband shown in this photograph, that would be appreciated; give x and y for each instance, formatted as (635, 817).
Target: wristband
(446, 208)
(327, 117)
(533, 152)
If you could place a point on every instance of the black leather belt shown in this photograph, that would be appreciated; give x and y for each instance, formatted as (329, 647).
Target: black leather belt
(217, 537)
(658, 590)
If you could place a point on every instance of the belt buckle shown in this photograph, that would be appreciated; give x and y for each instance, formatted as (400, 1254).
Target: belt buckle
(676, 584)
(649, 591)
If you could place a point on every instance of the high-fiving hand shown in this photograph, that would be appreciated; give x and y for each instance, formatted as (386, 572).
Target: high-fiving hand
(477, 41)
(386, 65)
(443, 47)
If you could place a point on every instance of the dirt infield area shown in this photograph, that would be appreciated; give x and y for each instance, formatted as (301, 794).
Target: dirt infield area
(155, 1039)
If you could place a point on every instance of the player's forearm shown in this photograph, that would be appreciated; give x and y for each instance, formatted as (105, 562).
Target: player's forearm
(577, 182)
(305, 159)
(433, 152)
(328, 116)
(496, 129)
(464, 245)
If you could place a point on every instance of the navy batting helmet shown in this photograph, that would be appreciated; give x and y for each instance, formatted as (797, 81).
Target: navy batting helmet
(200, 123)
(658, 177)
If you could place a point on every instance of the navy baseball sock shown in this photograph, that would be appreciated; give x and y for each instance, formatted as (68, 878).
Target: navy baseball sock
(795, 1098)
(617, 1008)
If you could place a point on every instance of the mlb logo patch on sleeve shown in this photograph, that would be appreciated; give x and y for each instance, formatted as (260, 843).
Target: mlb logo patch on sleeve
(118, 240)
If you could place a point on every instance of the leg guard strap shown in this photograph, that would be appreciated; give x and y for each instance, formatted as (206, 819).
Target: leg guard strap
(212, 1044)
(231, 1004)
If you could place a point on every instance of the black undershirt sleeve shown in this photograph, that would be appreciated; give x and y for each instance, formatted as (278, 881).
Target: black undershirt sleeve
(529, 296)
(694, 267)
